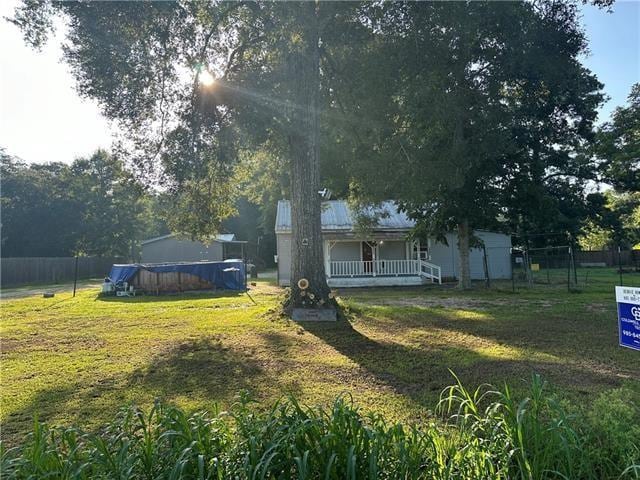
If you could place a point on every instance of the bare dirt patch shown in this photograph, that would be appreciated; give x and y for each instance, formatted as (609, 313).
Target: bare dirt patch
(266, 289)
(598, 307)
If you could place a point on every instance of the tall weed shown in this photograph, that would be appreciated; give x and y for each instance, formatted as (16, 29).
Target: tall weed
(485, 433)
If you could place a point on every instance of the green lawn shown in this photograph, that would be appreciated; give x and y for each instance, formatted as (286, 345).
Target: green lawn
(76, 360)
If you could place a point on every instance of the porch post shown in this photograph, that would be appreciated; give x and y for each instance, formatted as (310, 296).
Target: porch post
(374, 256)
(327, 258)
(415, 247)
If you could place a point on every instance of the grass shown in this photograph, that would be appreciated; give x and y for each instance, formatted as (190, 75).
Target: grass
(77, 360)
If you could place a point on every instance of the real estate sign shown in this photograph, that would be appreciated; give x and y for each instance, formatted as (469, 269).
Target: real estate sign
(628, 300)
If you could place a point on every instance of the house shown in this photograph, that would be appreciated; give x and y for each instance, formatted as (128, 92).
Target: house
(385, 256)
(179, 248)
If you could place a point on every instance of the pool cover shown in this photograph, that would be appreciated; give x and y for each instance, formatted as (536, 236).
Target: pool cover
(227, 275)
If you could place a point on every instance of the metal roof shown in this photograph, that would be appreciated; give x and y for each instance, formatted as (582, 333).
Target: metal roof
(337, 216)
(226, 237)
(156, 239)
(223, 237)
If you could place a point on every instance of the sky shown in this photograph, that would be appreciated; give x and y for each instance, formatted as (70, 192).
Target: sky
(614, 44)
(42, 118)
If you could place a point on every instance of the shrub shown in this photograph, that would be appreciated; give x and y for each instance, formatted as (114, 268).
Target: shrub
(484, 434)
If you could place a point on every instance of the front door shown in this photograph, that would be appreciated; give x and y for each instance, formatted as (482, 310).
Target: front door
(367, 257)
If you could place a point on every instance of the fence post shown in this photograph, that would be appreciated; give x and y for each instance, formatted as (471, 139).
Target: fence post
(512, 261)
(486, 266)
(573, 262)
(620, 265)
(546, 257)
(569, 269)
(75, 277)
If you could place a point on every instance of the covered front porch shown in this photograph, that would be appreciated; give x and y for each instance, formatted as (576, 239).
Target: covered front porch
(378, 262)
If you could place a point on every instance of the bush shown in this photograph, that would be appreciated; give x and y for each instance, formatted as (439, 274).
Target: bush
(484, 434)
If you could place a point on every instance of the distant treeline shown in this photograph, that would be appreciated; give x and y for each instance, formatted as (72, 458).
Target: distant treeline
(93, 206)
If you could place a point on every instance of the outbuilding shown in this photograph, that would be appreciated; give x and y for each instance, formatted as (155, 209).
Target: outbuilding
(385, 255)
(180, 248)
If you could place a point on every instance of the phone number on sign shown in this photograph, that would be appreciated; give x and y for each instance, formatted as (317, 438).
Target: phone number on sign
(628, 333)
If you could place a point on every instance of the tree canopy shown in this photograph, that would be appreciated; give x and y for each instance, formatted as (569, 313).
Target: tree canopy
(617, 146)
(93, 207)
(615, 154)
(482, 118)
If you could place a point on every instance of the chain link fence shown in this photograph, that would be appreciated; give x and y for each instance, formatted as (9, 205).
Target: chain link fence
(563, 267)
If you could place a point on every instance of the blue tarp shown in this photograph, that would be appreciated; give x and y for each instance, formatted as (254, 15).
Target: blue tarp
(227, 275)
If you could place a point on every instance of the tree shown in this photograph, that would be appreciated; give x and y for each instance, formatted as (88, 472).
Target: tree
(307, 252)
(615, 154)
(39, 217)
(110, 202)
(142, 62)
(594, 237)
(491, 104)
(279, 95)
(617, 146)
(93, 206)
(615, 222)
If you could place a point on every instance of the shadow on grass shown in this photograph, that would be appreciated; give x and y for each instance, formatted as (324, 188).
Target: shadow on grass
(204, 368)
(584, 341)
(196, 373)
(421, 372)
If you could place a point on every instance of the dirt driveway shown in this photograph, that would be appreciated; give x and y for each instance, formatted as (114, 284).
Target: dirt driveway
(31, 290)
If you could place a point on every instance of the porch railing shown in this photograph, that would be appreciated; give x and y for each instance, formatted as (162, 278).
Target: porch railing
(374, 268)
(385, 268)
(430, 271)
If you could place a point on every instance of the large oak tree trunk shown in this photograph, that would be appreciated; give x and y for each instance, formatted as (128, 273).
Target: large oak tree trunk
(464, 281)
(307, 261)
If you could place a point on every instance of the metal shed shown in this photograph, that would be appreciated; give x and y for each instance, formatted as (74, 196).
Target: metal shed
(180, 248)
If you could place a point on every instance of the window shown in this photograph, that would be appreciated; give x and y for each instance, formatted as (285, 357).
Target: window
(421, 250)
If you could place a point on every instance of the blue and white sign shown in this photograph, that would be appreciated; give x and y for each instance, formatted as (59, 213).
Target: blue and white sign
(628, 300)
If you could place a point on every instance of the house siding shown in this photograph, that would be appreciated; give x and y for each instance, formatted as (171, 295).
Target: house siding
(390, 250)
(346, 251)
(284, 258)
(444, 256)
(498, 248)
(498, 254)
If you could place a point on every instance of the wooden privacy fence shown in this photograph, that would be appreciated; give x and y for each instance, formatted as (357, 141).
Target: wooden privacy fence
(32, 270)
(611, 258)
